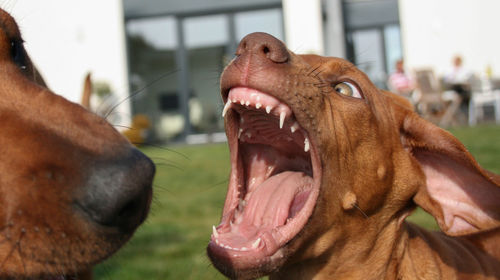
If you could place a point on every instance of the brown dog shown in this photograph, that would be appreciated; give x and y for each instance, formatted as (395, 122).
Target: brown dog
(72, 189)
(325, 169)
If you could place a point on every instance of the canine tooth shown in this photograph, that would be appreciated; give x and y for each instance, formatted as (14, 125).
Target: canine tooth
(282, 118)
(217, 242)
(239, 132)
(306, 145)
(294, 127)
(256, 244)
(258, 105)
(226, 107)
(268, 109)
(214, 232)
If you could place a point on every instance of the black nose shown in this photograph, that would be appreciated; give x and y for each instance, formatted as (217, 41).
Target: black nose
(263, 44)
(118, 192)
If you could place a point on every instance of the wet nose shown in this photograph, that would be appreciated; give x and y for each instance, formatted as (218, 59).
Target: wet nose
(264, 45)
(118, 192)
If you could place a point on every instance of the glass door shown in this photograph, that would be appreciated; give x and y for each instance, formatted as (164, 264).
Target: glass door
(375, 51)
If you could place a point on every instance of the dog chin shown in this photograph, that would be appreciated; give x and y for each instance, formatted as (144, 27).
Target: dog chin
(242, 269)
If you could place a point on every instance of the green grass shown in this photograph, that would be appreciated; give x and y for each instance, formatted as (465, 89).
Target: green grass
(189, 193)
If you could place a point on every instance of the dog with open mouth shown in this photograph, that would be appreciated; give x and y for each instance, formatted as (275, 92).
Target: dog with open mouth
(72, 188)
(325, 167)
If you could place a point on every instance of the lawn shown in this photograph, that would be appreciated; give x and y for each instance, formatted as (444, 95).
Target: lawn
(189, 192)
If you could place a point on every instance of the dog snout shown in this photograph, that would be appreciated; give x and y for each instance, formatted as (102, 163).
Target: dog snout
(264, 45)
(118, 192)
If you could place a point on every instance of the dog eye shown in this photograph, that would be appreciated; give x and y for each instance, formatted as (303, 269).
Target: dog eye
(18, 54)
(347, 89)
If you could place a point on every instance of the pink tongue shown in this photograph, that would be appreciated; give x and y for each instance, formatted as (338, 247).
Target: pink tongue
(269, 204)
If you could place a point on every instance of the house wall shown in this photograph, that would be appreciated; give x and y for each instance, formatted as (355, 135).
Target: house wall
(67, 39)
(303, 26)
(433, 32)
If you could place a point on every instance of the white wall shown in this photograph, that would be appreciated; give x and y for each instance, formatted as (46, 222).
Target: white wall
(66, 39)
(433, 31)
(303, 26)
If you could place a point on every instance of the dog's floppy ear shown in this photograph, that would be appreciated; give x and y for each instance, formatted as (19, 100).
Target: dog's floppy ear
(463, 197)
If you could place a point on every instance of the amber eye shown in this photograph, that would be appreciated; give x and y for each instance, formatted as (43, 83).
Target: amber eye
(347, 89)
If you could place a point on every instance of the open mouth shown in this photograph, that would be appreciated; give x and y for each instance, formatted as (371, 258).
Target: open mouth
(274, 180)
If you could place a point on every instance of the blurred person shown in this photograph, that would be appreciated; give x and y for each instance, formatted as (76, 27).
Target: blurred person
(399, 82)
(457, 78)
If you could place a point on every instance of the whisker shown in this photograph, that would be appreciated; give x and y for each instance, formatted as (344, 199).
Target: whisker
(357, 207)
(165, 149)
(18, 245)
(215, 185)
(169, 165)
(124, 126)
(161, 77)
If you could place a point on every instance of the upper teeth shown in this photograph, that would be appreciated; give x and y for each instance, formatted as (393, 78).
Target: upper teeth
(280, 108)
(282, 118)
(306, 145)
(268, 109)
(226, 108)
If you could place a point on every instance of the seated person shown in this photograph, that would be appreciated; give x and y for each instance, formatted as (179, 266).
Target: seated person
(399, 82)
(458, 79)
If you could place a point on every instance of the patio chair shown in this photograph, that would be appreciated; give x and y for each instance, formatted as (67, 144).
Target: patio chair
(431, 102)
(483, 95)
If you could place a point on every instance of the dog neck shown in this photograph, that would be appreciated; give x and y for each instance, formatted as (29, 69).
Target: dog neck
(350, 257)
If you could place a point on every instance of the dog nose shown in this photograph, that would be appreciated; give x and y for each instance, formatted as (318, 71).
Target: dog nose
(118, 192)
(265, 45)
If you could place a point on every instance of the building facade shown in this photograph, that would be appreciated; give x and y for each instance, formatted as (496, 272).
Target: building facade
(177, 50)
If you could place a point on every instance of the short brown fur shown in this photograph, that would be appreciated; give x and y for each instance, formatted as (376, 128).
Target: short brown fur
(380, 156)
(50, 149)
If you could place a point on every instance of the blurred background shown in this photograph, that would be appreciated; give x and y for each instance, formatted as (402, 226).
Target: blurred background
(155, 66)
(171, 52)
